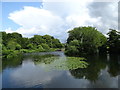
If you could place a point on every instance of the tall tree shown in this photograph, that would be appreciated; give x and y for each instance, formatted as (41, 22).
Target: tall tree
(87, 40)
(114, 41)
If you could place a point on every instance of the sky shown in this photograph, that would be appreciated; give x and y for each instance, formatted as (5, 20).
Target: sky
(57, 18)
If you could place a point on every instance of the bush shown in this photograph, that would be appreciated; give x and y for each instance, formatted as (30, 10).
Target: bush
(30, 46)
(10, 53)
(40, 48)
(13, 54)
(6, 52)
(18, 47)
(24, 51)
(11, 45)
(74, 43)
(71, 51)
(4, 47)
(45, 46)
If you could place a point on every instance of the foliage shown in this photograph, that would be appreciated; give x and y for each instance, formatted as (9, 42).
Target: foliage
(23, 50)
(30, 46)
(24, 43)
(12, 45)
(84, 40)
(96, 64)
(12, 61)
(81, 41)
(45, 46)
(68, 63)
(18, 47)
(48, 39)
(114, 41)
(40, 48)
(10, 53)
(14, 41)
(63, 63)
(72, 50)
(37, 39)
(46, 59)
(56, 43)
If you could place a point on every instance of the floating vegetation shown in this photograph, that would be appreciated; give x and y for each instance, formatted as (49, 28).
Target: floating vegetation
(46, 60)
(53, 62)
(68, 63)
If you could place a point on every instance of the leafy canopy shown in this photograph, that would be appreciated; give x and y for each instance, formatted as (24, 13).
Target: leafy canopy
(85, 40)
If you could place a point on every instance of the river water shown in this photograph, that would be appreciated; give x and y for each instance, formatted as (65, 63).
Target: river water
(24, 72)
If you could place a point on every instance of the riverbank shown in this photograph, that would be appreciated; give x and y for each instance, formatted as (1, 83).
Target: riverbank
(14, 53)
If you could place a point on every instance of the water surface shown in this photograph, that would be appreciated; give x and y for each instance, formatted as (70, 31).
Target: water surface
(33, 71)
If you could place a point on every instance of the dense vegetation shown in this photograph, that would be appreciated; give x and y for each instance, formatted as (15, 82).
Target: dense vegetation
(82, 41)
(13, 44)
(88, 41)
(113, 41)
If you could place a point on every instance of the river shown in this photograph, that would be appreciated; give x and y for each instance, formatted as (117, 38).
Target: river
(26, 72)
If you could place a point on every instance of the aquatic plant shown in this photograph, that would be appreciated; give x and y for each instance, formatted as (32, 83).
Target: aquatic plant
(69, 63)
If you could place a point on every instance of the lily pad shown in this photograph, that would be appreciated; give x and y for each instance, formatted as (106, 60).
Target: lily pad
(68, 63)
(61, 63)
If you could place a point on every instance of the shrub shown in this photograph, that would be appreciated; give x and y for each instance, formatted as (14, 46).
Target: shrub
(45, 46)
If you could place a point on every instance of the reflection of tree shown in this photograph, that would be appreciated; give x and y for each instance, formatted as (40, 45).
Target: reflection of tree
(12, 62)
(47, 59)
(92, 71)
(68, 63)
(0, 64)
(114, 65)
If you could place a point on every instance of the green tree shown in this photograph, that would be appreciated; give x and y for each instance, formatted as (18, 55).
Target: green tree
(18, 46)
(24, 43)
(40, 48)
(45, 46)
(37, 39)
(4, 38)
(48, 39)
(86, 39)
(114, 41)
(12, 45)
(30, 46)
(72, 51)
(15, 42)
(56, 43)
(16, 36)
(74, 43)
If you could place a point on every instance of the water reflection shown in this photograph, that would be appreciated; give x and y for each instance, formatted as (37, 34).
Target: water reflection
(92, 71)
(12, 62)
(29, 71)
(46, 59)
(114, 65)
(96, 65)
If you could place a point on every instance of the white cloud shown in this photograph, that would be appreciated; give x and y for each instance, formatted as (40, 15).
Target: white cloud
(56, 18)
(33, 17)
(37, 21)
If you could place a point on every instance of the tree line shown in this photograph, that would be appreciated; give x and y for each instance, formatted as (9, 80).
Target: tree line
(13, 43)
(84, 41)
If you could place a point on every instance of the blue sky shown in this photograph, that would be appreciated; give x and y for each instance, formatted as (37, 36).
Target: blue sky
(57, 18)
(9, 7)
